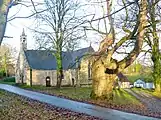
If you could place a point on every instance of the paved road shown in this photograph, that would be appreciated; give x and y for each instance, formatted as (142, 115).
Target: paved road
(93, 110)
(152, 103)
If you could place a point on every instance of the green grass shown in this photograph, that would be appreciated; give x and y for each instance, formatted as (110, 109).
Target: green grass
(149, 91)
(156, 94)
(83, 93)
(74, 93)
(123, 97)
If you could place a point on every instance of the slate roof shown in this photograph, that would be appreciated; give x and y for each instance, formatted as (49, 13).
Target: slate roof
(122, 78)
(45, 60)
(139, 81)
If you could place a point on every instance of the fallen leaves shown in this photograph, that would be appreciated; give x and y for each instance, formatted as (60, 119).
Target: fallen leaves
(14, 107)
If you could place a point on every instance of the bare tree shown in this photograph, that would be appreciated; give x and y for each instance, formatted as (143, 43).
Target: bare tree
(59, 28)
(105, 68)
(5, 5)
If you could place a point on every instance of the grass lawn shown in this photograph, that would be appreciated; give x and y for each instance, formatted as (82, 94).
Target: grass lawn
(122, 100)
(82, 93)
(121, 97)
(13, 107)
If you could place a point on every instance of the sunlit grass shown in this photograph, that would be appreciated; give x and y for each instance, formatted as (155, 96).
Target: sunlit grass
(83, 93)
(157, 94)
(149, 91)
(123, 97)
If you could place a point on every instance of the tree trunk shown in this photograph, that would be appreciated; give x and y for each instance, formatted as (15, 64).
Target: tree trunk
(156, 55)
(59, 78)
(158, 85)
(60, 75)
(4, 9)
(30, 77)
(105, 68)
(156, 68)
(5, 65)
(103, 83)
(22, 77)
(77, 77)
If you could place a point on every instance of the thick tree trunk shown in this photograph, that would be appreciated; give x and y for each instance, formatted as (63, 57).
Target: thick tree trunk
(103, 83)
(105, 68)
(156, 55)
(156, 58)
(158, 85)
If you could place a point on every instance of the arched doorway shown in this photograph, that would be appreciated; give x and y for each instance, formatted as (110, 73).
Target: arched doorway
(48, 81)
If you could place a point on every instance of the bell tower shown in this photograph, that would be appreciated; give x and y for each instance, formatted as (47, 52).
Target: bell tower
(23, 41)
(22, 61)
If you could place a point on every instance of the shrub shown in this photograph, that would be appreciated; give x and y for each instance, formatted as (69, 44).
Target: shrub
(1, 73)
(9, 79)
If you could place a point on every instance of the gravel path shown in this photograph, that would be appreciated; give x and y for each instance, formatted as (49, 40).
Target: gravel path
(153, 104)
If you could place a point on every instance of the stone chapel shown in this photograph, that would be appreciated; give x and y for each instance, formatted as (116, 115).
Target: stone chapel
(35, 67)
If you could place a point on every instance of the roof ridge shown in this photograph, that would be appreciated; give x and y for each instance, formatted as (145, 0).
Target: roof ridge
(62, 51)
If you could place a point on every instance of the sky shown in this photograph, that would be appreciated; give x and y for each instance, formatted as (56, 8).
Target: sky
(15, 27)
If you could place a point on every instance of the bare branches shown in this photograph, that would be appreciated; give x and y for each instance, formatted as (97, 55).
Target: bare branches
(33, 6)
(140, 37)
(8, 37)
(35, 13)
(133, 26)
(63, 22)
(113, 12)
